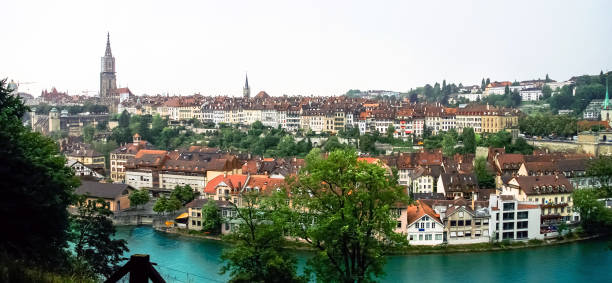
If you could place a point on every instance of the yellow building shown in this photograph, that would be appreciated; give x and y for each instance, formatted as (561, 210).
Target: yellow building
(552, 192)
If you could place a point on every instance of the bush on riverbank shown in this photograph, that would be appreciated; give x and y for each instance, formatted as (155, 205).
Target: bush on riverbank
(17, 271)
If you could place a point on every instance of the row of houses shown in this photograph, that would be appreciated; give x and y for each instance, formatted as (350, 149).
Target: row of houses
(326, 114)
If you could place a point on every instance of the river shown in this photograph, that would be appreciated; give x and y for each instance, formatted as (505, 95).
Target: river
(182, 259)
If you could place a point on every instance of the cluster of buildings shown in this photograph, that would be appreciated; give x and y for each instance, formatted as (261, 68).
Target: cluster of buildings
(530, 90)
(325, 114)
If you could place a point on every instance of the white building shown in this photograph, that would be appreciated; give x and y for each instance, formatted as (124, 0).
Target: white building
(513, 220)
(531, 94)
(424, 226)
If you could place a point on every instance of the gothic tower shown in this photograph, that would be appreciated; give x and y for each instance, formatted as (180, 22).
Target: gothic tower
(108, 79)
(246, 91)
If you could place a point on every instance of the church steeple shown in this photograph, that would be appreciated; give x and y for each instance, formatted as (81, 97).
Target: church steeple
(246, 91)
(108, 49)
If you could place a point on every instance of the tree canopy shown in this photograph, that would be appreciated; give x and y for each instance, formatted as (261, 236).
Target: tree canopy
(351, 205)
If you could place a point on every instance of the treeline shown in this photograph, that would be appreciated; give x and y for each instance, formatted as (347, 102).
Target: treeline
(153, 129)
(547, 124)
(587, 89)
(72, 109)
(451, 142)
(38, 190)
(260, 140)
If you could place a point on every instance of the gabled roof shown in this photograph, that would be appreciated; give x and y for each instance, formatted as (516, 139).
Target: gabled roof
(102, 190)
(548, 184)
(418, 210)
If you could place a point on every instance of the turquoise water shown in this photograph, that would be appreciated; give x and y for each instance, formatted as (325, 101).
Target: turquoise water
(182, 259)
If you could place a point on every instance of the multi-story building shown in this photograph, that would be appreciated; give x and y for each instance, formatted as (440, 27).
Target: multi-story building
(512, 219)
(120, 156)
(424, 226)
(530, 94)
(552, 192)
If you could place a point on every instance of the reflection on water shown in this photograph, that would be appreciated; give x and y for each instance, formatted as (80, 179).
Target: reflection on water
(182, 259)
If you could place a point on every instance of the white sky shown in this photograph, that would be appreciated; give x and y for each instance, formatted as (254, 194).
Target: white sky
(299, 47)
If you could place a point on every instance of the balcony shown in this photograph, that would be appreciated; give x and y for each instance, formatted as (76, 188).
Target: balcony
(553, 205)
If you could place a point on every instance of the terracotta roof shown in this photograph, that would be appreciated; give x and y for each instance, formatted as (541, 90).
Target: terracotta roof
(420, 209)
(527, 206)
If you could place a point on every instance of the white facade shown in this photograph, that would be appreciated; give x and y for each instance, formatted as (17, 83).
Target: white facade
(531, 94)
(169, 180)
(514, 220)
(425, 231)
(139, 179)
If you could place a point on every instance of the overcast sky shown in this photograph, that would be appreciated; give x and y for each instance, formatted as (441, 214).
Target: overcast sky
(300, 47)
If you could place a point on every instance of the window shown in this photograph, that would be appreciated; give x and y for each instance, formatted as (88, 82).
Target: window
(508, 235)
(497, 216)
(521, 235)
(453, 222)
(468, 233)
(468, 222)
(427, 226)
(433, 225)
(420, 237)
(199, 223)
(461, 214)
(508, 215)
(522, 225)
(508, 225)
(399, 224)
(411, 237)
(453, 234)
(509, 206)
(193, 222)
(438, 237)
(522, 215)
(477, 233)
(428, 237)
(562, 199)
(422, 225)
(460, 234)
(416, 225)
(227, 227)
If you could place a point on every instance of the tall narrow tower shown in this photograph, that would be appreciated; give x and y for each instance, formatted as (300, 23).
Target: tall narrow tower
(108, 79)
(606, 109)
(246, 91)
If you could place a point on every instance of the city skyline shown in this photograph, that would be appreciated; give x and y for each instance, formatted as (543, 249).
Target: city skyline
(301, 49)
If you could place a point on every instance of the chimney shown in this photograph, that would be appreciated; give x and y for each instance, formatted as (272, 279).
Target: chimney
(473, 203)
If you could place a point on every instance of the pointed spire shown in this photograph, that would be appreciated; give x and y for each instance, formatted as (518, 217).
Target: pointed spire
(108, 49)
(606, 104)
(246, 82)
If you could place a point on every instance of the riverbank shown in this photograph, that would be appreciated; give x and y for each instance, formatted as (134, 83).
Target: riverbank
(416, 250)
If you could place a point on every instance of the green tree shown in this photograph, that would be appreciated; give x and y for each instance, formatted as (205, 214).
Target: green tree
(601, 170)
(332, 144)
(161, 205)
(548, 79)
(351, 202)
(485, 179)
(258, 254)
(483, 84)
(211, 217)
(88, 133)
(93, 238)
(595, 217)
(124, 119)
(469, 140)
(183, 193)
(139, 197)
(390, 132)
(546, 92)
(449, 142)
(173, 204)
(36, 186)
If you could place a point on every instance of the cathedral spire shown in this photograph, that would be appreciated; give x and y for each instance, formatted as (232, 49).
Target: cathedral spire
(108, 49)
(246, 91)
